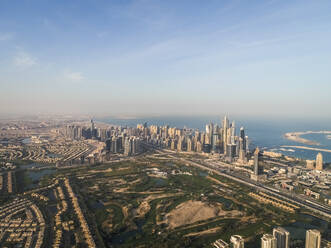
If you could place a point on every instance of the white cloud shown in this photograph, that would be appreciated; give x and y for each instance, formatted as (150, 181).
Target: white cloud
(75, 76)
(24, 60)
(6, 36)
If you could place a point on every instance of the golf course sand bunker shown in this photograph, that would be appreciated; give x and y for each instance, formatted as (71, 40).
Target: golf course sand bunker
(192, 211)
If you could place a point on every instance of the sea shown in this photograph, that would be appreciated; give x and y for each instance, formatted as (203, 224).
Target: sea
(263, 133)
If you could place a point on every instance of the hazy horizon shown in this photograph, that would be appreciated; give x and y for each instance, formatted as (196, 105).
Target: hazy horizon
(266, 59)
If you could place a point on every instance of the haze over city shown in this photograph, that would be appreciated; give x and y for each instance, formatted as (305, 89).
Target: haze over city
(165, 123)
(143, 57)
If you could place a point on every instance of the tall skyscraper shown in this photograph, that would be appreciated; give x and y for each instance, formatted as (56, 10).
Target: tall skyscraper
(127, 146)
(189, 145)
(313, 239)
(256, 161)
(282, 236)
(319, 162)
(214, 143)
(237, 241)
(268, 241)
(242, 135)
(231, 152)
(173, 144)
(310, 164)
(179, 145)
(225, 133)
(92, 125)
(247, 144)
(233, 130)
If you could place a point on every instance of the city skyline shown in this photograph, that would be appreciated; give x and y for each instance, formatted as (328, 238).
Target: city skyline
(158, 58)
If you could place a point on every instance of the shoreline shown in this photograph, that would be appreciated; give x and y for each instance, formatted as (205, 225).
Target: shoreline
(296, 137)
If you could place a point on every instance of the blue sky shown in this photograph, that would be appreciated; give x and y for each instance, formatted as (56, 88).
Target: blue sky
(146, 57)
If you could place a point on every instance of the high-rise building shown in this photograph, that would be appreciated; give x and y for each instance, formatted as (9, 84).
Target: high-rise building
(220, 244)
(127, 146)
(242, 136)
(231, 152)
(319, 162)
(173, 144)
(215, 141)
(268, 241)
(257, 169)
(189, 145)
(233, 130)
(282, 236)
(237, 241)
(198, 147)
(179, 144)
(310, 164)
(92, 125)
(241, 147)
(313, 239)
(225, 133)
(247, 144)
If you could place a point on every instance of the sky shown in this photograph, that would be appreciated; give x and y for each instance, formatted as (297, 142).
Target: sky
(154, 57)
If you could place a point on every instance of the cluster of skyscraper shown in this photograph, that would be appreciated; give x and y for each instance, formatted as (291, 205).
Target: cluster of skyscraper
(118, 139)
(78, 132)
(279, 239)
(216, 139)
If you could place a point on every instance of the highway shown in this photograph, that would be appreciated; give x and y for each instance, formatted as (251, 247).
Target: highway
(215, 168)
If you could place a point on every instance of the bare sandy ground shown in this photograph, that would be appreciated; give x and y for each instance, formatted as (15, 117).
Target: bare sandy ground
(192, 211)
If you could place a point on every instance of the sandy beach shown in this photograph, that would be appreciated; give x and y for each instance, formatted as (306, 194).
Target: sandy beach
(296, 136)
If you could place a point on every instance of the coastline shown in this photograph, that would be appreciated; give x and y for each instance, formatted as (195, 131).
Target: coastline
(296, 137)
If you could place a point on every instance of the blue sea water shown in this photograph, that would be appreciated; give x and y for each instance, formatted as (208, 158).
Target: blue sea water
(264, 133)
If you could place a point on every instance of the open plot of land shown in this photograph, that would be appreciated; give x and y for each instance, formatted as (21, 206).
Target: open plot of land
(192, 211)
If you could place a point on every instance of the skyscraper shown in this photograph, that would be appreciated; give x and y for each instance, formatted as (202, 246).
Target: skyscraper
(92, 125)
(179, 144)
(237, 241)
(282, 236)
(231, 152)
(189, 145)
(225, 133)
(127, 146)
(256, 161)
(310, 164)
(242, 135)
(268, 241)
(313, 239)
(93, 130)
(319, 162)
